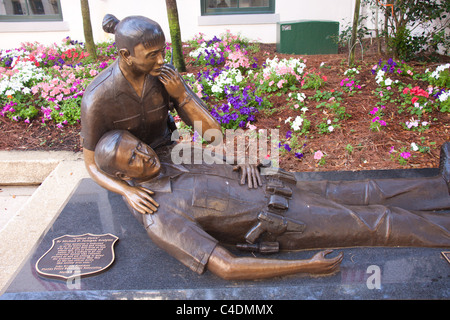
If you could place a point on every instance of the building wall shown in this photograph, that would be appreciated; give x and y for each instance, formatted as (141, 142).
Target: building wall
(255, 27)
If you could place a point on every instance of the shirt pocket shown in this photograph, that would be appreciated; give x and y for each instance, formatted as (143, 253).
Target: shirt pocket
(128, 123)
(210, 193)
(158, 114)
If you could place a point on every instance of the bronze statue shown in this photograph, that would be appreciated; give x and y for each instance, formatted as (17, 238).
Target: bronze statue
(205, 207)
(136, 93)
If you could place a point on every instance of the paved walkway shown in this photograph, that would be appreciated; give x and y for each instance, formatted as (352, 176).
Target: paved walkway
(11, 200)
(35, 188)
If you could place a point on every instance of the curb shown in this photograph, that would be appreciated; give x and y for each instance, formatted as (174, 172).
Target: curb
(58, 174)
(31, 167)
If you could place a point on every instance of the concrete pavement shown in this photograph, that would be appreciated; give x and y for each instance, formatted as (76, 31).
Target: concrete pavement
(42, 183)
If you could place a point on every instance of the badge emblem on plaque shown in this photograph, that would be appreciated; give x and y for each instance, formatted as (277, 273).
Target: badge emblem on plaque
(85, 254)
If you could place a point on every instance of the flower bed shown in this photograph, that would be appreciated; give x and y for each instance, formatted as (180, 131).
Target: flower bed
(378, 114)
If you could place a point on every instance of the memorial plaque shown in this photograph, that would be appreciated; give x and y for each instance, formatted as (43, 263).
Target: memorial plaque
(77, 255)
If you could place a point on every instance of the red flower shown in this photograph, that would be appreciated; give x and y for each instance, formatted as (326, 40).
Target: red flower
(406, 91)
(414, 100)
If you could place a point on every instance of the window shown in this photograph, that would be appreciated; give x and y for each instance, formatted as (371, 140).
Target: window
(30, 10)
(216, 7)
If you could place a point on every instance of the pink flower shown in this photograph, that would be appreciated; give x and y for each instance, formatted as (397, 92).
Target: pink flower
(374, 110)
(405, 155)
(318, 155)
(250, 126)
(280, 83)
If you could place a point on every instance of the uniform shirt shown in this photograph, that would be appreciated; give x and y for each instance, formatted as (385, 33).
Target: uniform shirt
(110, 102)
(202, 205)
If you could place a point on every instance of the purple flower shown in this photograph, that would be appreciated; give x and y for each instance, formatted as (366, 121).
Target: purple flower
(287, 147)
(195, 136)
(299, 155)
(288, 134)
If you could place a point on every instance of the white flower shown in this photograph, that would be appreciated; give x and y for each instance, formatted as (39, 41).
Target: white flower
(388, 82)
(352, 70)
(26, 90)
(297, 123)
(412, 123)
(444, 96)
(380, 76)
(216, 88)
(301, 96)
(330, 128)
(414, 147)
(437, 73)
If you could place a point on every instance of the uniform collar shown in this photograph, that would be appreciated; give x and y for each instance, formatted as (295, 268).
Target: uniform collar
(162, 182)
(122, 86)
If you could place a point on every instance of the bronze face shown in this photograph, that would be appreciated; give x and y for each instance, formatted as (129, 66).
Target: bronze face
(148, 60)
(135, 159)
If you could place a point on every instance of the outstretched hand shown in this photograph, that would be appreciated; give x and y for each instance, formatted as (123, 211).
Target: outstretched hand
(249, 172)
(321, 265)
(139, 199)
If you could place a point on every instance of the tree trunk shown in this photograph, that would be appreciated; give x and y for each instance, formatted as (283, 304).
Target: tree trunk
(88, 37)
(386, 28)
(377, 31)
(354, 32)
(175, 35)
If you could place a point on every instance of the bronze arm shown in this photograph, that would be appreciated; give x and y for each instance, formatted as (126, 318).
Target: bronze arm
(137, 197)
(190, 107)
(225, 265)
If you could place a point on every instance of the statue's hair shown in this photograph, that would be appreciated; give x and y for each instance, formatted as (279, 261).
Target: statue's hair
(132, 31)
(106, 151)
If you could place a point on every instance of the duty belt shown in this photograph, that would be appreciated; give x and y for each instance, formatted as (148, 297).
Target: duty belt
(272, 222)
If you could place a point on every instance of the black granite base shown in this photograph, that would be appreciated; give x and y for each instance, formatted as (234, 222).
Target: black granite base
(143, 271)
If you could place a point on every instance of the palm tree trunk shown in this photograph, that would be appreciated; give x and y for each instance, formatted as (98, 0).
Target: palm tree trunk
(88, 37)
(354, 32)
(175, 35)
